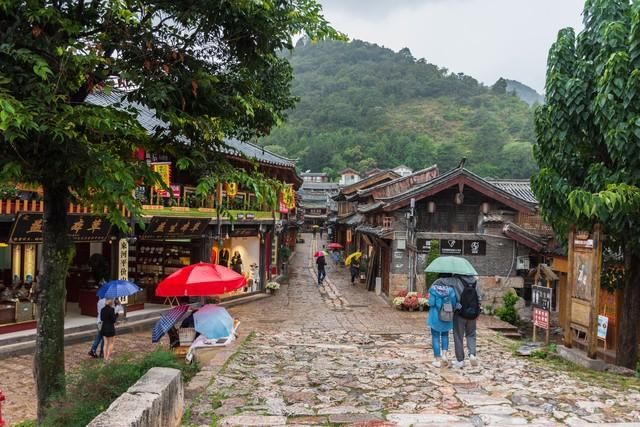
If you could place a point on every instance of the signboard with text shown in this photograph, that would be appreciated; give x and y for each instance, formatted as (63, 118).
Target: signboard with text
(450, 247)
(475, 247)
(27, 228)
(171, 227)
(540, 318)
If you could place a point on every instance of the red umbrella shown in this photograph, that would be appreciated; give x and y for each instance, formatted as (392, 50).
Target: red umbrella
(334, 246)
(199, 280)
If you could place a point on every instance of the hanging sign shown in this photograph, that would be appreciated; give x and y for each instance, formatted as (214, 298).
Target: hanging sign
(164, 170)
(450, 247)
(123, 265)
(603, 326)
(475, 247)
(231, 188)
(289, 197)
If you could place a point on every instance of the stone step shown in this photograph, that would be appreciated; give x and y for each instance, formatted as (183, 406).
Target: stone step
(512, 335)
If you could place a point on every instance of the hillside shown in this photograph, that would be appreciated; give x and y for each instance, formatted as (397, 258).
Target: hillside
(524, 92)
(362, 105)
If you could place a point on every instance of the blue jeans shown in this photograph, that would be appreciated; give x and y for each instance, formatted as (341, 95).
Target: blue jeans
(98, 341)
(321, 275)
(438, 338)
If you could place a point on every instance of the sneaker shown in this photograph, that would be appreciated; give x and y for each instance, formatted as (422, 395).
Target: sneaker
(437, 363)
(92, 354)
(457, 364)
(473, 359)
(445, 360)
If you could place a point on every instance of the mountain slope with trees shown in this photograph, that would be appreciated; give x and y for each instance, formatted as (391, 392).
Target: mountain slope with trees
(364, 106)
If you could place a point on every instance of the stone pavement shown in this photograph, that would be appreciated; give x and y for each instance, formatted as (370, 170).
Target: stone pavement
(339, 355)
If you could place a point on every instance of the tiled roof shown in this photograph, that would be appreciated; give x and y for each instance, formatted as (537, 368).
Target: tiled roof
(148, 120)
(332, 186)
(370, 207)
(320, 174)
(523, 236)
(521, 188)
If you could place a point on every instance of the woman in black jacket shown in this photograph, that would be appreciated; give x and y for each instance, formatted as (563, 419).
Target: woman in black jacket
(108, 317)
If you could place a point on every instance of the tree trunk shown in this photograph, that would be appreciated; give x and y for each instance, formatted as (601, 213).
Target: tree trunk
(48, 362)
(629, 316)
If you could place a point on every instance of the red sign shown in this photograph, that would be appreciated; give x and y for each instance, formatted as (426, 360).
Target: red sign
(283, 207)
(541, 318)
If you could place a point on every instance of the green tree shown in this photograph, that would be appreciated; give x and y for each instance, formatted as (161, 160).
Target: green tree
(588, 142)
(209, 69)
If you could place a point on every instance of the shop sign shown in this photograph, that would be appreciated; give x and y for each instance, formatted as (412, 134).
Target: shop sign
(244, 232)
(475, 247)
(27, 228)
(123, 264)
(450, 247)
(175, 190)
(164, 170)
(172, 227)
(603, 326)
(540, 318)
(541, 297)
(423, 246)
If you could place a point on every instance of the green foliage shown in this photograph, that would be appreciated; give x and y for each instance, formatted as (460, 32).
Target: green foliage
(8, 191)
(508, 311)
(365, 106)
(434, 252)
(588, 140)
(93, 387)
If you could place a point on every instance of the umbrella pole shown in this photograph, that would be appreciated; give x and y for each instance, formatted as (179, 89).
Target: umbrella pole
(202, 301)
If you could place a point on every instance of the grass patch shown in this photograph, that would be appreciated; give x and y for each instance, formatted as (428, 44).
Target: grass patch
(92, 387)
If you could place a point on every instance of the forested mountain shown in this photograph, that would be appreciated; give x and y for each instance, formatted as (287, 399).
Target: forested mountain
(524, 92)
(364, 106)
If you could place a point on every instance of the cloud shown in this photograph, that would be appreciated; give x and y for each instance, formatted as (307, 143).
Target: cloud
(486, 39)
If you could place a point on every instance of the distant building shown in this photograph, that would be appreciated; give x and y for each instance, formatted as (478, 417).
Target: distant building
(348, 177)
(403, 170)
(314, 177)
(316, 193)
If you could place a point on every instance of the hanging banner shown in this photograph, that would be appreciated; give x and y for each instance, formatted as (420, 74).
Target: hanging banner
(231, 188)
(289, 197)
(164, 170)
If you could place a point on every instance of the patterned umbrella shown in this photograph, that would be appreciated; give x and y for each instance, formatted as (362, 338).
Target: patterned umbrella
(166, 322)
(117, 288)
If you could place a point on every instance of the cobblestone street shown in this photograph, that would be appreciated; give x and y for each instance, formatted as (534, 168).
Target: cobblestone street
(337, 354)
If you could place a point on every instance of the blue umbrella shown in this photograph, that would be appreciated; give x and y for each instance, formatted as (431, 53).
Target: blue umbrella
(117, 288)
(213, 321)
(166, 321)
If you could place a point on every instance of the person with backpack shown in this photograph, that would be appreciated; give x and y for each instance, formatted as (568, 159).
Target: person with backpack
(442, 301)
(464, 320)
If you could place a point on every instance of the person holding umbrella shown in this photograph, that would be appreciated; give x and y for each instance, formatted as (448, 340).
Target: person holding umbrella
(99, 339)
(354, 268)
(321, 263)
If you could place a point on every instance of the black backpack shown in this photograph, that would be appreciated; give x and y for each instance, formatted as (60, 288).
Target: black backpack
(470, 303)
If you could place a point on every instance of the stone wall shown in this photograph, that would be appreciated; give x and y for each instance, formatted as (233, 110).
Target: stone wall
(156, 400)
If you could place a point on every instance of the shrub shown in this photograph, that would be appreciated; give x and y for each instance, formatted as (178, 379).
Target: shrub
(92, 387)
(508, 311)
(434, 252)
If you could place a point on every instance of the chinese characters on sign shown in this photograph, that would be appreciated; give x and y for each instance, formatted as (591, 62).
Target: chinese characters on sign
(81, 228)
(164, 170)
(123, 264)
(541, 297)
(166, 227)
(540, 318)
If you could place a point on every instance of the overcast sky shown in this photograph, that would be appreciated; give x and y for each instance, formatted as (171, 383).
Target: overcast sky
(486, 39)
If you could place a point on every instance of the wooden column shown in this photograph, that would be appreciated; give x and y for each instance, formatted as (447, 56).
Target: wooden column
(568, 338)
(592, 340)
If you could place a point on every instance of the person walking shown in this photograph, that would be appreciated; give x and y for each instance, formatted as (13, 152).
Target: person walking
(321, 231)
(321, 263)
(355, 269)
(108, 317)
(313, 230)
(442, 300)
(464, 319)
(99, 339)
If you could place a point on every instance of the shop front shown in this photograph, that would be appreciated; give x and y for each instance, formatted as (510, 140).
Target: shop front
(20, 257)
(166, 245)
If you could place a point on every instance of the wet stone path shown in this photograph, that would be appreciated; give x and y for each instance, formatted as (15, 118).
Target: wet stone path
(339, 355)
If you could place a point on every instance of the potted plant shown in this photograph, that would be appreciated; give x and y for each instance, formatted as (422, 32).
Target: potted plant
(272, 287)
(411, 301)
(398, 302)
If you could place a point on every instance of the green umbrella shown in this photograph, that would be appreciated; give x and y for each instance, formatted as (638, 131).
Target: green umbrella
(453, 265)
